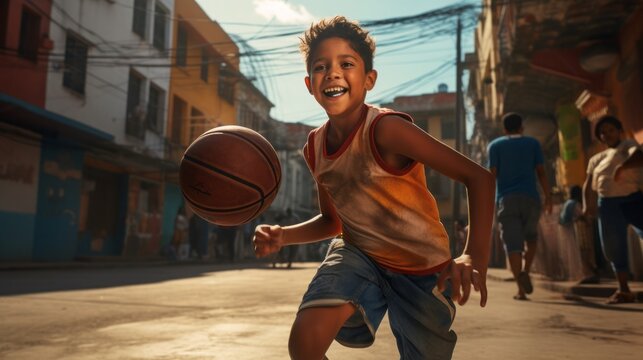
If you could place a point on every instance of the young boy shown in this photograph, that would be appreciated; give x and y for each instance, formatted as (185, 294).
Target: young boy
(394, 252)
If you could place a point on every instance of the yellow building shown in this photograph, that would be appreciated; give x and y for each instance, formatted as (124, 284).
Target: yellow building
(203, 78)
(202, 92)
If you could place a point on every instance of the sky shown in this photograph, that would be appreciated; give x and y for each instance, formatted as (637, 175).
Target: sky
(413, 65)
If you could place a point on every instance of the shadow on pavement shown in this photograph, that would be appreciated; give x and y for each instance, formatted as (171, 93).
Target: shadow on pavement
(575, 300)
(30, 281)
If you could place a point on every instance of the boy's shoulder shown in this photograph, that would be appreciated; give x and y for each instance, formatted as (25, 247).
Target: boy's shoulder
(314, 131)
(377, 113)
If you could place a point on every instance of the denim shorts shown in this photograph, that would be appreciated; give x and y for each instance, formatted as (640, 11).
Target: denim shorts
(420, 316)
(518, 217)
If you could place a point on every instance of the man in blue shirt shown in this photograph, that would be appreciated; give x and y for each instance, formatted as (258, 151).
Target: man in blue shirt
(517, 161)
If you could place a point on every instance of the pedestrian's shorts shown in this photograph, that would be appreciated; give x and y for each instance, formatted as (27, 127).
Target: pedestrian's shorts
(420, 316)
(518, 217)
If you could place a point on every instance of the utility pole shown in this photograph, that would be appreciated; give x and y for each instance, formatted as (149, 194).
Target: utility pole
(458, 125)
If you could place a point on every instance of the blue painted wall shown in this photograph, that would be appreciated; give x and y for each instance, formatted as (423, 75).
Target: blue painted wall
(16, 236)
(56, 224)
(172, 202)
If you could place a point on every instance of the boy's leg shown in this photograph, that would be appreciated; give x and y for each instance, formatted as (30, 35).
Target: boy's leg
(344, 302)
(315, 328)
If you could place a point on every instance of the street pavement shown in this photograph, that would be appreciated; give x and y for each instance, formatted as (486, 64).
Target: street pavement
(244, 311)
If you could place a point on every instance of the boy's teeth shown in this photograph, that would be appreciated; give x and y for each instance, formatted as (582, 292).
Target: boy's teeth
(334, 91)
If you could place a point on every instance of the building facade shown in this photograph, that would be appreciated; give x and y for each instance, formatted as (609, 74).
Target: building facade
(88, 124)
(561, 65)
(203, 91)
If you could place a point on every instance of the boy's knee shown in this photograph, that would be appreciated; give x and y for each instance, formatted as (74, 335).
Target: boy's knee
(305, 336)
(315, 329)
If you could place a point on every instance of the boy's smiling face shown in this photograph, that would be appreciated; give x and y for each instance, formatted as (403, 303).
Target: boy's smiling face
(338, 77)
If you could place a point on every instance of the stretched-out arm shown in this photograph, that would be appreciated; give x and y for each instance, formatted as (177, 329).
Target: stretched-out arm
(270, 238)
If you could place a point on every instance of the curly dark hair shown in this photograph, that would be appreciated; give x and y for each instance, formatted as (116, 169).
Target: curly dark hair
(359, 39)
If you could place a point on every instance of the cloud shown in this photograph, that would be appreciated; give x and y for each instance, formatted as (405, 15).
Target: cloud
(282, 12)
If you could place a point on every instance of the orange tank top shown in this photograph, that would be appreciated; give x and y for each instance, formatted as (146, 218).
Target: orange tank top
(387, 213)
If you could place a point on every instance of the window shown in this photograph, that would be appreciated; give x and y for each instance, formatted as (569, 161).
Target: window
(447, 125)
(178, 114)
(155, 109)
(75, 64)
(225, 86)
(226, 91)
(135, 120)
(4, 22)
(181, 46)
(205, 65)
(160, 26)
(140, 17)
(198, 123)
(29, 35)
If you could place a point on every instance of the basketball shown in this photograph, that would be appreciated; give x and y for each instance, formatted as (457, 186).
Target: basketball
(230, 175)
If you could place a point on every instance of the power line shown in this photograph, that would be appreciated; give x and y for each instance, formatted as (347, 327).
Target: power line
(393, 34)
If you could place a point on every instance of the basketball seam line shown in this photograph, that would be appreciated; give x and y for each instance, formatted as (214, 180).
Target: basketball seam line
(228, 209)
(242, 181)
(225, 173)
(201, 207)
(274, 172)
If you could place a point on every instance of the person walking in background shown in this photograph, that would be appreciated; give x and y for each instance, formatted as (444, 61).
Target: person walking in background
(581, 228)
(634, 161)
(226, 238)
(517, 161)
(199, 234)
(180, 238)
(617, 201)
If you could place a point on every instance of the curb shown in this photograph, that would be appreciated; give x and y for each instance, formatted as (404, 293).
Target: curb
(603, 290)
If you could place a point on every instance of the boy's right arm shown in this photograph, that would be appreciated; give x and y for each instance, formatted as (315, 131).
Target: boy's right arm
(269, 239)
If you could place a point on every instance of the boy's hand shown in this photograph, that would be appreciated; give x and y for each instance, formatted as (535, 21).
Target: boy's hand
(463, 276)
(268, 239)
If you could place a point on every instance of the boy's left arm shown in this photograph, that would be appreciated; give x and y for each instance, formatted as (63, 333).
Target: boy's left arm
(396, 135)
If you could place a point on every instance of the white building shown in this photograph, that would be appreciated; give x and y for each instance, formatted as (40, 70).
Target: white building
(110, 69)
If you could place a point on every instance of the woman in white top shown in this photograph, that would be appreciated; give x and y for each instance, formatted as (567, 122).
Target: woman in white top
(616, 200)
